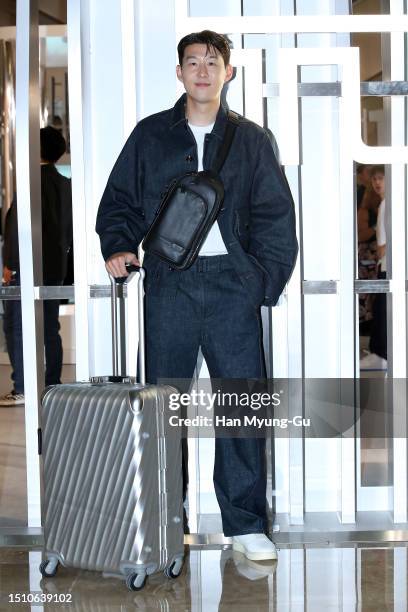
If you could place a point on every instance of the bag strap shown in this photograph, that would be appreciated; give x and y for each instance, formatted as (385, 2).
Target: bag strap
(232, 124)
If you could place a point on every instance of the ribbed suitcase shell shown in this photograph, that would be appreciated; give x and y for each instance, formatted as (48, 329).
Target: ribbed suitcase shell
(112, 475)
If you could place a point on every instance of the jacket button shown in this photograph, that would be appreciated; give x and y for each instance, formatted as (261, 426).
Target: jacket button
(189, 158)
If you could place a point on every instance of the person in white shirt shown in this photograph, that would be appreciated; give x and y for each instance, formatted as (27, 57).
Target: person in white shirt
(245, 262)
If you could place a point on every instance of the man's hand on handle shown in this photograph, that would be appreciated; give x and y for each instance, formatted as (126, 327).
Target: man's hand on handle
(116, 263)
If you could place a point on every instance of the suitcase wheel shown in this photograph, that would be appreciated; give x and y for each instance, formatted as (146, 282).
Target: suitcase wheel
(136, 582)
(174, 570)
(49, 568)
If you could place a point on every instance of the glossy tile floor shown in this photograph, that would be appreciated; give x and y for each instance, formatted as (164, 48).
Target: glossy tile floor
(306, 579)
(312, 578)
(13, 489)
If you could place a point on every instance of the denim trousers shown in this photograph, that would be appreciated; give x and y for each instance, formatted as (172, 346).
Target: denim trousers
(207, 306)
(12, 325)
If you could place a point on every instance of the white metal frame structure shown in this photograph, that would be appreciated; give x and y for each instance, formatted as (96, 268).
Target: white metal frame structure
(351, 148)
(110, 87)
(29, 189)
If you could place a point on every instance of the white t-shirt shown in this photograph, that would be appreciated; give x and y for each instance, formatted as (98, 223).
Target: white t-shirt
(380, 231)
(213, 244)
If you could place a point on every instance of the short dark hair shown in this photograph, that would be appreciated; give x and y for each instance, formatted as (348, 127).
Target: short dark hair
(361, 167)
(206, 37)
(378, 169)
(52, 144)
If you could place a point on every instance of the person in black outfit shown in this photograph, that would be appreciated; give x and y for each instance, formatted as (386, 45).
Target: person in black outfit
(363, 181)
(56, 211)
(246, 260)
(377, 357)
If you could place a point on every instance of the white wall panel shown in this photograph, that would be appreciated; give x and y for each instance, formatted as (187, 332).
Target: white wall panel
(101, 36)
(156, 56)
(214, 8)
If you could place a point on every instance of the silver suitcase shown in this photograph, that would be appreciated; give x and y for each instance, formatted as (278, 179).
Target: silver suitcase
(112, 473)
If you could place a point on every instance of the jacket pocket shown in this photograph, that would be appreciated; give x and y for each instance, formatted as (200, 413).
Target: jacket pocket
(242, 226)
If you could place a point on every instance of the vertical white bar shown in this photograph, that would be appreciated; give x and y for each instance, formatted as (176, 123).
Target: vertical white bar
(350, 92)
(128, 66)
(211, 579)
(96, 108)
(288, 136)
(298, 585)
(139, 57)
(281, 325)
(103, 135)
(289, 144)
(29, 232)
(34, 560)
(295, 333)
(194, 560)
(129, 121)
(78, 188)
(251, 60)
(359, 593)
(395, 210)
(280, 343)
(400, 579)
(348, 579)
(282, 586)
(155, 21)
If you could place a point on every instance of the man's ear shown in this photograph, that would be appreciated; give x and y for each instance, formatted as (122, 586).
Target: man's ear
(228, 73)
(179, 73)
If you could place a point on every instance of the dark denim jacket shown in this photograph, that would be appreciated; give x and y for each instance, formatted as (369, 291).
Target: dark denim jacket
(257, 219)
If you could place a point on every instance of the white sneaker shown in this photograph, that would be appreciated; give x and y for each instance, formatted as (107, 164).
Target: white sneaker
(12, 399)
(253, 570)
(372, 361)
(255, 546)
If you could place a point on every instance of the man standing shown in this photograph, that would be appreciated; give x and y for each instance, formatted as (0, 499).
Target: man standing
(56, 213)
(245, 261)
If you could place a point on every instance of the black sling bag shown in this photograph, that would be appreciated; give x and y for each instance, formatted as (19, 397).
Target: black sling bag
(188, 210)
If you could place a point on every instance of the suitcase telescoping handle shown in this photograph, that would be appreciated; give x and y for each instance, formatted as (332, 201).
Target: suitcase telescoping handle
(118, 322)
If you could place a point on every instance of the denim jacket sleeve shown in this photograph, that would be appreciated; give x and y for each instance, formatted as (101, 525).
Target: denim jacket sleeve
(273, 239)
(120, 219)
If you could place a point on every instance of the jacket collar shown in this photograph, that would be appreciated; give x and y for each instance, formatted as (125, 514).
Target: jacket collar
(178, 117)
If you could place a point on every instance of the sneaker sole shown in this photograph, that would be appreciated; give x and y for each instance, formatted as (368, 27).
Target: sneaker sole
(255, 556)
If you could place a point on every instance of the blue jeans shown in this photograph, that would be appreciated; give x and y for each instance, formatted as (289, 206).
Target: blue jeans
(13, 332)
(207, 306)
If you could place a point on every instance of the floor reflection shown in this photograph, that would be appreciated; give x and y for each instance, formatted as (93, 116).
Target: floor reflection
(315, 579)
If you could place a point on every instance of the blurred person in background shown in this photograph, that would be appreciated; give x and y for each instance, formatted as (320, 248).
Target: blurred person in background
(363, 182)
(367, 253)
(56, 212)
(377, 357)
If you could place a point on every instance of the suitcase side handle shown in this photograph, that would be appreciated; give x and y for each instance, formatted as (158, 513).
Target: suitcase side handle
(118, 322)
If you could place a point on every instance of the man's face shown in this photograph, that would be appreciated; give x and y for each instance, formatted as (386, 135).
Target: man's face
(203, 73)
(378, 184)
